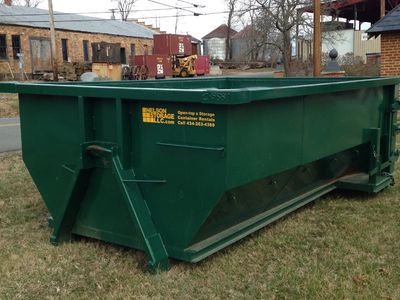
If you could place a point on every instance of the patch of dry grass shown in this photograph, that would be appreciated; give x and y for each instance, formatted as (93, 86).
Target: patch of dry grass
(9, 107)
(342, 246)
(240, 72)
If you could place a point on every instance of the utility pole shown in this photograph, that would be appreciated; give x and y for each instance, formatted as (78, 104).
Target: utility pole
(383, 8)
(21, 65)
(176, 21)
(112, 13)
(54, 51)
(317, 38)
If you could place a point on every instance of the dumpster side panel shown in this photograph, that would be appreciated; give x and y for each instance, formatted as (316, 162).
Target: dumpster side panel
(181, 144)
(335, 122)
(245, 207)
(296, 148)
(295, 131)
(264, 138)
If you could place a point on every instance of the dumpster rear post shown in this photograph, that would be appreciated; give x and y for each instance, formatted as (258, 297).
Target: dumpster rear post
(183, 168)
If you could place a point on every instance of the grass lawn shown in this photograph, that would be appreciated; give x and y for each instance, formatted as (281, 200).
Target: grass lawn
(9, 107)
(341, 246)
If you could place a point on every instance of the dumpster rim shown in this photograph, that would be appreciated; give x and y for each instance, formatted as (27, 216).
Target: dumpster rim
(230, 96)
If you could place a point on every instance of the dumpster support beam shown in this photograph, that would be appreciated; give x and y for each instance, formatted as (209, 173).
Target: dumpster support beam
(154, 246)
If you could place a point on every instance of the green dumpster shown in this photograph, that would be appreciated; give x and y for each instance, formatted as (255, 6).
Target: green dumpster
(183, 168)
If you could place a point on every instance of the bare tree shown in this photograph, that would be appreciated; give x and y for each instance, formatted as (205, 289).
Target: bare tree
(125, 7)
(31, 3)
(285, 17)
(27, 3)
(275, 24)
(258, 33)
(231, 7)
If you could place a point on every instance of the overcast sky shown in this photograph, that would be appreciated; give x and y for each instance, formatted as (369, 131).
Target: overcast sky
(195, 26)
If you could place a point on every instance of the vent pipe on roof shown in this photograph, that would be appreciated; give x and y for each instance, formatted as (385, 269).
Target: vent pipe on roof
(8, 2)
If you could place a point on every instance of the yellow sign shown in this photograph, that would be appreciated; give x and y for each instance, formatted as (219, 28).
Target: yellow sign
(160, 115)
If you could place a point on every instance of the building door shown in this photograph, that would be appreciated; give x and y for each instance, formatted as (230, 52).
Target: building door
(40, 54)
(123, 56)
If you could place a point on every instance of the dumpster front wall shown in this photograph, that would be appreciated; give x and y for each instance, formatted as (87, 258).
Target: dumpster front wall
(50, 144)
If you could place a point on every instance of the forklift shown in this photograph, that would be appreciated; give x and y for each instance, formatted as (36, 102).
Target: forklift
(184, 67)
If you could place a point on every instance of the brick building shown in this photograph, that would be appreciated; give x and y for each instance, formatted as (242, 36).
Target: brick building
(389, 29)
(26, 30)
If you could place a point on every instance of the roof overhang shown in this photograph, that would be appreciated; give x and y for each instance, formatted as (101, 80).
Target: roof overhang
(361, 10)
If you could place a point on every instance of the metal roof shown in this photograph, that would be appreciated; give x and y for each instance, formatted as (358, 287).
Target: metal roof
(246, 32)
(35, 17)
(195, 41)
(390, 22)
(220, 32)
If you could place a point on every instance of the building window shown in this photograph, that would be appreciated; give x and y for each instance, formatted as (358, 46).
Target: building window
(64, 49)
(133, 49)
(3, 46)
(86, 51)
(16, 45)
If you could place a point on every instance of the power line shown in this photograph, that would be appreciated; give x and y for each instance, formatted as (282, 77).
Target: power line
(175, 7)
(87, 13)
(108, 20)
(194, 4)
(92, 19)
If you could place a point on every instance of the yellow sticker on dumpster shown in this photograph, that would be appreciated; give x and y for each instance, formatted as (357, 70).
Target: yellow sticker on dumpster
(159, 115)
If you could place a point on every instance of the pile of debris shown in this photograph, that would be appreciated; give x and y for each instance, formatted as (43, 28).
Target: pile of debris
(244, 65)
(73, 71)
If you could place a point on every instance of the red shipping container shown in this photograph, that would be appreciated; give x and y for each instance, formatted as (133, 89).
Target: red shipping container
(172, 44)
(202, 65)
(158, 65)
(195, 49)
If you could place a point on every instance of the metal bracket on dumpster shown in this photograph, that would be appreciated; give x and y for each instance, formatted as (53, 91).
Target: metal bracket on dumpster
(397, 129)
(138, 210)
(194, 147)
(396, 106)
(395, 109)
(375, 160)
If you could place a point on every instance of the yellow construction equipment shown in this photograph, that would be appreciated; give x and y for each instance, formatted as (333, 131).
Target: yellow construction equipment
(184, 67)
